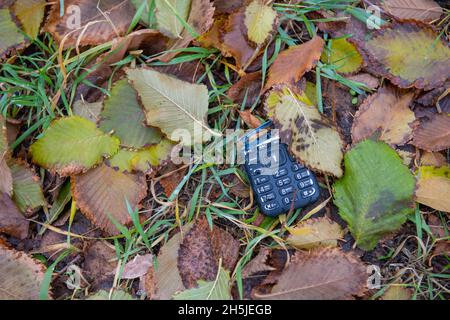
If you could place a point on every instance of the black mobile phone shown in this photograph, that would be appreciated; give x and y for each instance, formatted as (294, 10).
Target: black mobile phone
(278, 181)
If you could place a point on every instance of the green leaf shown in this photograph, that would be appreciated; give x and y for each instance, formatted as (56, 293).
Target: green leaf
(168, 22)
(219, 289)
(177, 107)
(375, 195)
(30, 14)
(11, 36)
(343, 55)
(72, 145)
(27, 190)
(124, 116)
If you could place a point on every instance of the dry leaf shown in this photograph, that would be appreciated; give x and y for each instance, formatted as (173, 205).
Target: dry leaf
(99, 21)
(87, 110)
(21, 276)
(388, 54)
(259, 21)
(167, 20)
(367, 79)
(201, 250)
(167, 279)
(386, 112)
(104, 191)
(317, 232)
(258, 264)
(6, 181)
(422, 10)
(322, 274)
(100, 263)
(433, 187)
(170, 183)
(247, 88)
(433, 134)
(250, 120)
(434, 159)
(312, 138)
(137, 267)
(12, 222)
(291, 64)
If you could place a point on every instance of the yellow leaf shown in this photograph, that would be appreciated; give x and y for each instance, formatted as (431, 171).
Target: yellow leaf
(30, 14)
(433, 187)
(314, 233)
(259, 20)
(343, 55)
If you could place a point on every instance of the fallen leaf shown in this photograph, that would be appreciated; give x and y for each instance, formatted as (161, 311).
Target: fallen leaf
(6, 181)
(72, 145)
(322, 274)
(137, 267)
(218, 289)
(100, 264)
(30, 13)
(171, 182)
(371, 203)
(259, 21)
(87, 110)
(234, 42)
(396, 292)
(422, 10)
(386, 112)
(200, 20)
(190, 71)
(200, 251)
(367, 79)
(167, 279)
(317, 232)
(433, 187)
(311, 137)
(257, 264)
(151, 158)
(103, 192)
(343, 55)
(12, 222)
(434, 159)
(27, 190)
(389, 55)
(168, 14)
(433, 134)
(175, 106)
(227, 6)
(123, 116)
(21, 276)
(247, 88)
(250, 120)
(11, 37)
(87, 22)
(291, 64)
(239, 188)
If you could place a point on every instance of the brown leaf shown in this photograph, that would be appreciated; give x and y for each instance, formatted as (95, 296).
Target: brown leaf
(370, 81)
(323, 274)
(103, 191)
(100, 264)
(6, 181)
(227, 6)
(434, 159)
(200, 251)
(258, 263)
(422, 10)
(170, 183)
(187, 71)
(166, 280)
(200, 19)
(21, 276)
(387, 112)
(12, 222)
(238, 188)
(247, 88)
(98, 25)
(234, 42)
(293, 63)
(433, 135)
(250, 120)
(137, 267)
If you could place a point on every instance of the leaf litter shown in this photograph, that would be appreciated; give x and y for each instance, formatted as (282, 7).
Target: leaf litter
(90, 158)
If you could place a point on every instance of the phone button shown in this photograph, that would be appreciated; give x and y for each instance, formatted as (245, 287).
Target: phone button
(280, 173)
(302, 175)
(267, 197)
(262, 179)
(308, 192)
(283, 182)
(264, 188)
(270, 206)
(287, 190)
(305, 183)
(296, 166)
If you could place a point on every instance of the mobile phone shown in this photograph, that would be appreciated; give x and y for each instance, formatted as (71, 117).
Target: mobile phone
(278, 181)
